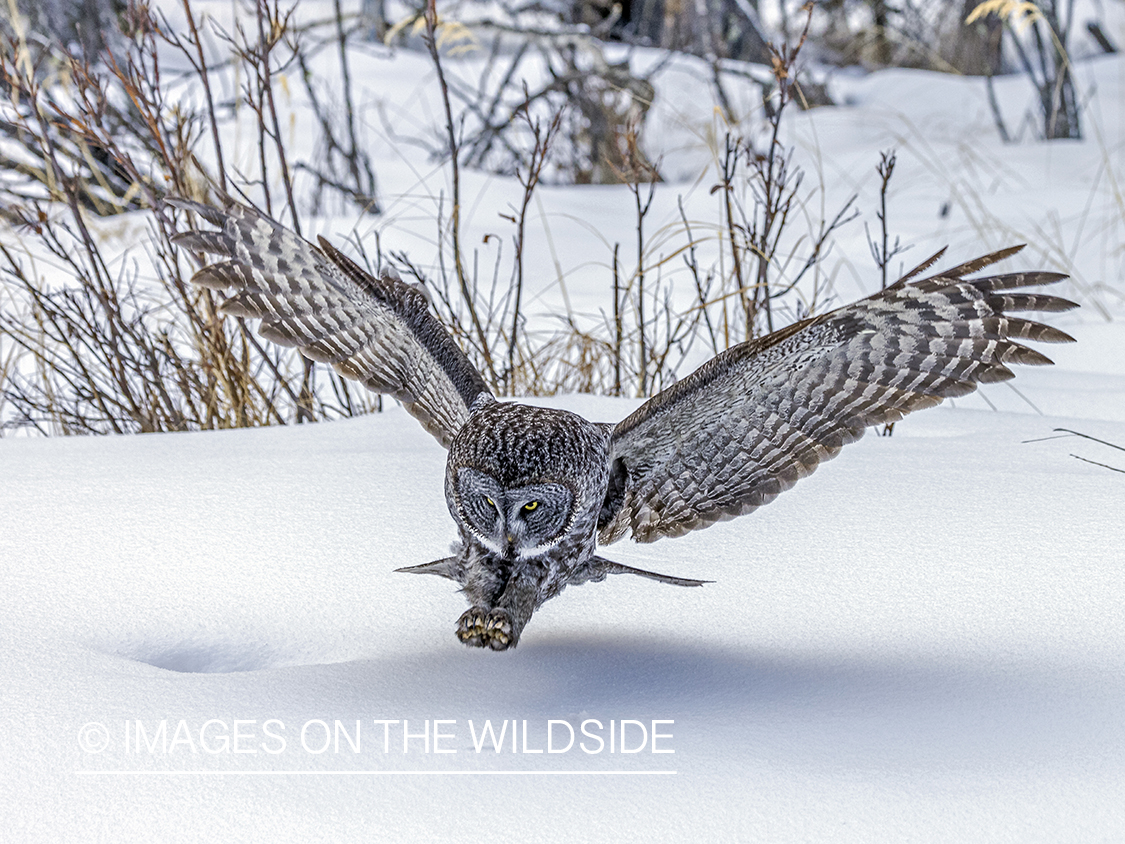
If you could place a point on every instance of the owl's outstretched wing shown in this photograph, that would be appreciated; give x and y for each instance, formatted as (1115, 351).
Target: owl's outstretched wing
(377, 331)
(760, 416)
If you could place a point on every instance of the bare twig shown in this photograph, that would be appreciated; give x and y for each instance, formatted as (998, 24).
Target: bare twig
(529, 180)
(431, 19)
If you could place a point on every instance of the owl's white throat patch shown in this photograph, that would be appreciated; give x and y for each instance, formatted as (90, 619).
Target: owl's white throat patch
(528, 553)
(522, 554)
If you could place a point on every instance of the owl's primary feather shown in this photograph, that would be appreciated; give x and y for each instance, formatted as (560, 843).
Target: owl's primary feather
(757, 418)
(533, 490)
(377, 331)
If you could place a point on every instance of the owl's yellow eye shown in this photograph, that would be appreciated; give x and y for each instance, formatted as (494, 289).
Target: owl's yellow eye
(531, 505)
(491, 503)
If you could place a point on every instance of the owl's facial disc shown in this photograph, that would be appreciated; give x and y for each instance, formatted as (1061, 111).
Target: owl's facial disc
(514, 523)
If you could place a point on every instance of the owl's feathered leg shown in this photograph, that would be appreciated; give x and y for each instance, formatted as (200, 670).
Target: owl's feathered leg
(499, 627)
(478, 626)
(483, 628)
(502, 599)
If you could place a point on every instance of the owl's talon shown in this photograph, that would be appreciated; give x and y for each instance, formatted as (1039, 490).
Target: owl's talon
(481, 628)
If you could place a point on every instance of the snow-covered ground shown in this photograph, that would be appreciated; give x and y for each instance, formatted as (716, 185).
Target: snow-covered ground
(925, 641)
(204, 638)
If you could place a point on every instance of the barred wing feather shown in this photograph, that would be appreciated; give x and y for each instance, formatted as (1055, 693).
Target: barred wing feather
(377, 331)
(754, 420)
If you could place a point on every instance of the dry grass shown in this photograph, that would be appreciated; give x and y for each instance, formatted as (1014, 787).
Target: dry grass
(116, 347)
(90, 345)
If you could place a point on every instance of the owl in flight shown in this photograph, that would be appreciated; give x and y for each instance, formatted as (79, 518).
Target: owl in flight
(534, 491)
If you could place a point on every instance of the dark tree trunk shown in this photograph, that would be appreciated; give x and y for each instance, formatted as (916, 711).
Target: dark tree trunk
(713, 28)
(976, 52)
(90, 25)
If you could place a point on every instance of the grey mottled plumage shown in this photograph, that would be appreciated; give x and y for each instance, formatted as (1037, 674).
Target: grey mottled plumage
(533, 491)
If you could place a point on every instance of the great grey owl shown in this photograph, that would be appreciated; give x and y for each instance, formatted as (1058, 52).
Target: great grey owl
(533, 491)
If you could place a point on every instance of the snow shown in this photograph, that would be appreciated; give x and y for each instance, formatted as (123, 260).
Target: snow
(923, 642)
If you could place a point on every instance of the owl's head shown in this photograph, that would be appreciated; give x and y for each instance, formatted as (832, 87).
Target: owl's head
(514, 522)
(519, 478)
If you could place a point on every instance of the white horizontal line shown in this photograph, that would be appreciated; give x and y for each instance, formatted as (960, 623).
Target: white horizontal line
(374, 773)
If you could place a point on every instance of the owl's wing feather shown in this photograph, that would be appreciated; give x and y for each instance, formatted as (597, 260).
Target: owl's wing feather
(596, 569)
(377, 331)
(757, 418)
